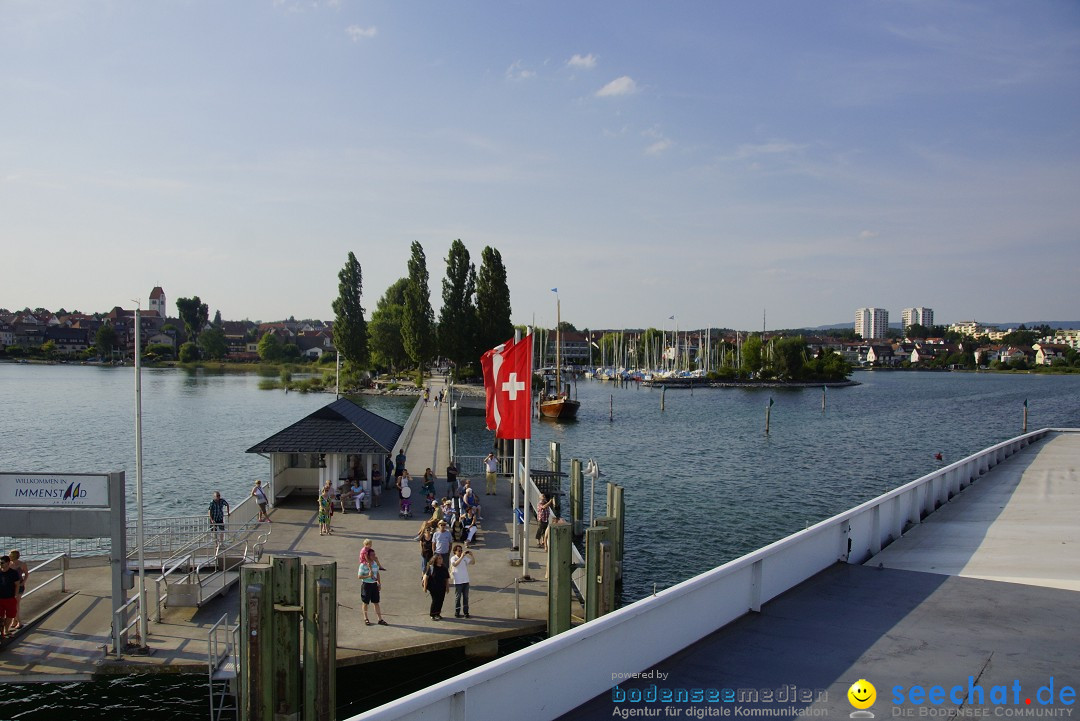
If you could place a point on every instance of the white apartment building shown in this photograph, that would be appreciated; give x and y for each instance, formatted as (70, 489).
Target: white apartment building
(918, 316)
(872, 323)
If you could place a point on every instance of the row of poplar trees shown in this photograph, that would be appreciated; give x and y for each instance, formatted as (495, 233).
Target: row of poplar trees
(403, 333)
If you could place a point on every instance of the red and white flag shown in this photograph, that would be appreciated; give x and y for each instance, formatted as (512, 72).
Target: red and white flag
(508, 388)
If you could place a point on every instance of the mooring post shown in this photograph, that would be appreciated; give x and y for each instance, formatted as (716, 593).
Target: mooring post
(256, 643)
(611, 407)
(618, 512)
(768, 411)
(1024, 430)
(320, 642)
(559, 560)
(607, 565)
(555, 485)
(663, 390)
(577, 498)
(286, 637)
(594, 570)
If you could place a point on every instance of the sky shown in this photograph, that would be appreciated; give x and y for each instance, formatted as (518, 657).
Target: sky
(700, 163)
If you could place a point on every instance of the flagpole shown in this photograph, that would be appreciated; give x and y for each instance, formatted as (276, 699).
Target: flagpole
(517, 457)
(525, 489)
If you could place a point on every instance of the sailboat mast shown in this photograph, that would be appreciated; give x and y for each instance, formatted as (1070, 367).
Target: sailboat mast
(558, 344)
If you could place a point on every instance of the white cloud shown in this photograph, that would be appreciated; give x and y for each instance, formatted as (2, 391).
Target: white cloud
(868, 234)
(517, 71)
(587, 62)
(356, 32)
(659, 146)
(773, 147)
(619, 86)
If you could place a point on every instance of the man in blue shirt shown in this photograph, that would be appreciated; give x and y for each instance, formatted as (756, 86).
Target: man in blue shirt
(219, 508)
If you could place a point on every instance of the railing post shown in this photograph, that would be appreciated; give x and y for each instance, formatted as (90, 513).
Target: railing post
(755, 586)
(595, 536)
(577, 498)
(63, 573)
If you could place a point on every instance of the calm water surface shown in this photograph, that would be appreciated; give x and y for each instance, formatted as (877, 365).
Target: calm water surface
(704, 484)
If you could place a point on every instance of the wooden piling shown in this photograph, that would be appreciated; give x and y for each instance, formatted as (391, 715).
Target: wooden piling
(663, 390)
(559, 594)
(256, 643)
(320, 642)
(618, 512)
(607, 567)
(577, 498)
(595, 542)
(286, 573)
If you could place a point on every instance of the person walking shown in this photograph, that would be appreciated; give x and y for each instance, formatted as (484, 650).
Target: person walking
(399, 466)
(491, 469)
(370, 574)
(543, 513)
(451, 479)
(441, 541)
(435, 582)
(261, 499)
(10, 579)
(427, 550)
(325, 509)
(459, 576)
(24, 571)
(217, 511)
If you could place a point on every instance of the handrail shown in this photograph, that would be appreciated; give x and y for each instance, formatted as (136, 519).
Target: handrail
(120, 631)
(63, 569)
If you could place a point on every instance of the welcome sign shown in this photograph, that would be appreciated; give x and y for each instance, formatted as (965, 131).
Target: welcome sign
(54, 490)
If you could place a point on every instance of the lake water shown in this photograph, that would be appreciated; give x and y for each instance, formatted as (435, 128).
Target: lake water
(703, 483)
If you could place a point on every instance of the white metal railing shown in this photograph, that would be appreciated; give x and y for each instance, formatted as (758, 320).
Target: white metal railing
(474, 465)
(409, 428)
(121, 626)
(63, 558)
(644, 633)
(220, 647)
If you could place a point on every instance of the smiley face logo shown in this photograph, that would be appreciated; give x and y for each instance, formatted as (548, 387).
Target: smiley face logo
(862, 694)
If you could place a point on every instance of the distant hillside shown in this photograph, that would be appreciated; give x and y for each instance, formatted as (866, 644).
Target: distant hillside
(1012, 324)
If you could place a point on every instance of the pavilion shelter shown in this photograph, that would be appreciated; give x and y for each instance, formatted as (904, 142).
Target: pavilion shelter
(337, 443)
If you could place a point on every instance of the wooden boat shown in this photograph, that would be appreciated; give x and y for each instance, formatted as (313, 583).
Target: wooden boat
(555, 402)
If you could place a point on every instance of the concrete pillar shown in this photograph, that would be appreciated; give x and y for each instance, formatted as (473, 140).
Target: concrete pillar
(320, 642)
(560, 540)
(256, 643)
(286, 637)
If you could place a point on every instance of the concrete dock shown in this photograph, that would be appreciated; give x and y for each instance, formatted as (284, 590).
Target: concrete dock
(985, 593)
(66, 634)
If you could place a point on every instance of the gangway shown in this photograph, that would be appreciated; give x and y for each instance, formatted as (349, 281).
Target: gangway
(221, 661)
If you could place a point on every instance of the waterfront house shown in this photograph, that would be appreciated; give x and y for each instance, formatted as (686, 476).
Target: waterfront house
(339, 441)
(881, 355)
(1047, 353)
(1012, 354)
(68, 341)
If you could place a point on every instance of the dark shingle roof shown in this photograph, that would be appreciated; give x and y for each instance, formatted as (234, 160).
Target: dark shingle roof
(341, 427)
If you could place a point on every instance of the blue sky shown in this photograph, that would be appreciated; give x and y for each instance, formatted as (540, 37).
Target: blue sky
(708, 160)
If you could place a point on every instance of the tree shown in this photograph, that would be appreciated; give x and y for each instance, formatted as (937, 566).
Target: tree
(492, 302)
(788, 357)
(457, 318)
(384, 331)
(350, 328)
(418, 321)
(194, 313)
(188, 353)
(212, 343)
(917, 330)
(48, 348)
(105, 340)
(566, 326)
(217, 319)
(751, 355)
(270, 348)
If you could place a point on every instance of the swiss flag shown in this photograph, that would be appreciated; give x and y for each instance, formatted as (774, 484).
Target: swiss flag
(508, 388)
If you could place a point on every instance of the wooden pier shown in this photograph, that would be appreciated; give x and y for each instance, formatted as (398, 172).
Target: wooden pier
(66, 634)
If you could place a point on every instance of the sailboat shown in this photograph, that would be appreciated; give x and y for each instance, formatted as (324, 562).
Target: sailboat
(556, 401)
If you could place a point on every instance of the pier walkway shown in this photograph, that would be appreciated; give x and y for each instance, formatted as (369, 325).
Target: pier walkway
(68, 632)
